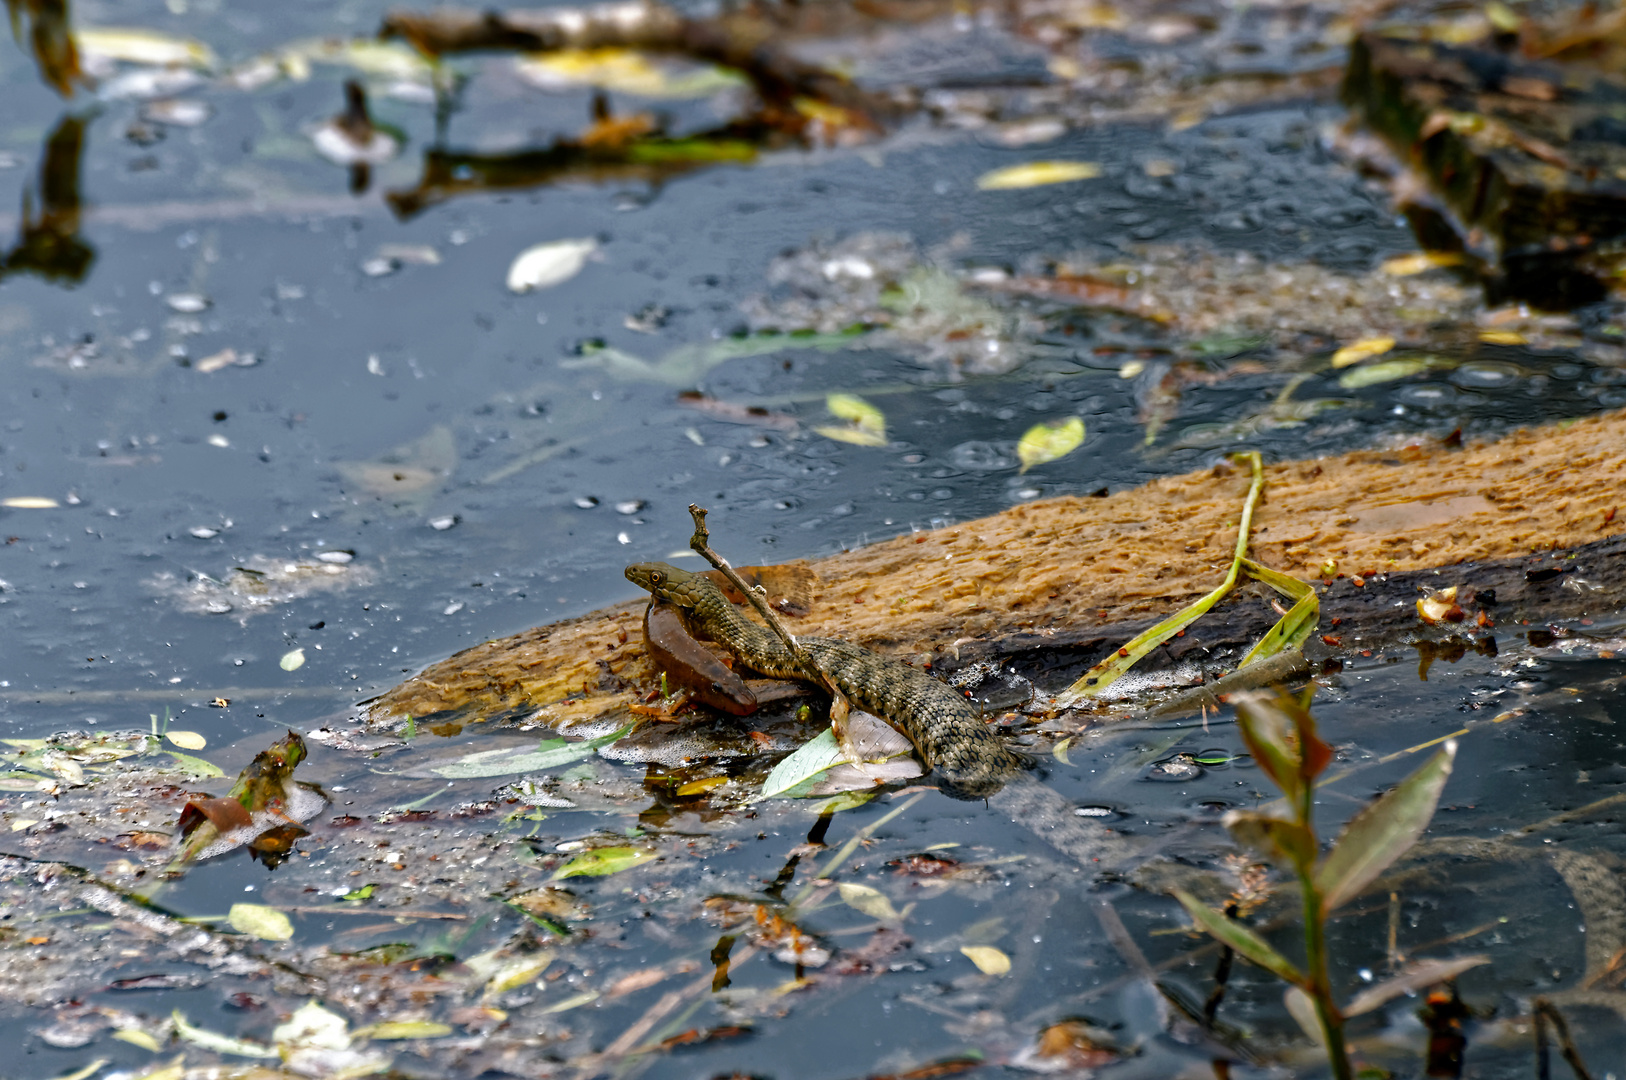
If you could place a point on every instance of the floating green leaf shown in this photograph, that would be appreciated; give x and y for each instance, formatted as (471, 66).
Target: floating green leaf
(847, 800)
(1383, 831)
(866, 423)
(257, 920)
(1037, 174)
(195, 766)
(1386, 371)
(602, 862)
(292, 660)
(550, 755)
(1047, 442)
(811, 758)
(363, 893)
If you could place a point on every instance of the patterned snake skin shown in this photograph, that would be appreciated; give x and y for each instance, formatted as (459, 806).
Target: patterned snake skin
(945, 728)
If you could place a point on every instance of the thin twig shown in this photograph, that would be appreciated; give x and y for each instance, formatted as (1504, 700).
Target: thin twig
(760, 602)
(1546, 1010)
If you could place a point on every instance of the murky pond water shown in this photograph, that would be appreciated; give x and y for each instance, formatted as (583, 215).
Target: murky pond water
(271, 418)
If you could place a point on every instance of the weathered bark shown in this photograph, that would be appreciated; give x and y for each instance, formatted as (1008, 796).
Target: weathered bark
(1053, 584)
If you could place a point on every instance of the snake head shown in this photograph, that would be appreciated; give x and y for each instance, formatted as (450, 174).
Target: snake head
(658, 578)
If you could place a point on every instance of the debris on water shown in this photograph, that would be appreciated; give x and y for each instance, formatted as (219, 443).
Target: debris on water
(258, 584)
(1044, 443)
(444, 522)
(1037, 174)
(187, 303)
(351, 138)
(865, 424)
(177, 112)
(546, 265)
(225, 358)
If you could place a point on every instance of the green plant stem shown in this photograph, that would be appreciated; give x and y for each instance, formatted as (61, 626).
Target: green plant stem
(1315, 950)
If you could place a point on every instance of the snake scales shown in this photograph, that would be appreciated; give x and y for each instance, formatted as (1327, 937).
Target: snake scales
(945, 728)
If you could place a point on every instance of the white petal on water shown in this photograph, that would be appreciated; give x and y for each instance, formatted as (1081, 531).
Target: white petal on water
(187, 303)
(203, 532)
(343, 149)
(339, 556)
(29, 502)
(441, 524)
(292, 661)
(177, 112)
(219, 440)
(546, 265)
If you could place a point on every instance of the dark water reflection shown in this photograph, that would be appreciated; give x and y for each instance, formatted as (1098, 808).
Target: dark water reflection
(215, 358)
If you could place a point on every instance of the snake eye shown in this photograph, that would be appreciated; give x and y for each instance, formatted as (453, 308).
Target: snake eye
(656, 577)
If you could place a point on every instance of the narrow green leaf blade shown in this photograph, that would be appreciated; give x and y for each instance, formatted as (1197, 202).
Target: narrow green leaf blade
(507, 761)
(1383, 831)
(1246, 943)
(809, 760)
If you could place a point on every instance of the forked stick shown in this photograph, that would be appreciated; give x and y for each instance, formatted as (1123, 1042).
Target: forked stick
(839, 705)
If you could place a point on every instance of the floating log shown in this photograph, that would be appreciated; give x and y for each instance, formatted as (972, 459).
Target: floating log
(1529, 527)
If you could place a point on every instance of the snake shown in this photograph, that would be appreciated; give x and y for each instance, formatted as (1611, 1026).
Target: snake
(946, 729)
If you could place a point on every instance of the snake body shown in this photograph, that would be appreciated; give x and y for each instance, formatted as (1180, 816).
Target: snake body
(945, 728)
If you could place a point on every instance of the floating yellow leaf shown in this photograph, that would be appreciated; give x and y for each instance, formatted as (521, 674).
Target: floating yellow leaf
(144, 47)
(1037, 174)
(174, 1069)
(257, 920)
(404, 1029)
(29, 502)
(91, 1069)
(870, 901)
(1059, 751)
(867, 424)
(187, 740)
(137, 1037)
(1364, 349)
(292, 661)
(575, 1001)
(1420, 261)
(989, 960)
(1502, 337)
(1047, 442)
(700, 787)
(624, 70)
(601, 862)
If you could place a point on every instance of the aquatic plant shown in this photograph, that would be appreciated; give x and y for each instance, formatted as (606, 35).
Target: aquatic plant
(1281, 735)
